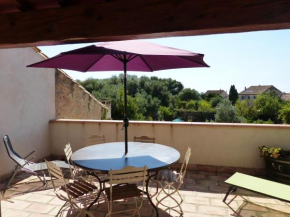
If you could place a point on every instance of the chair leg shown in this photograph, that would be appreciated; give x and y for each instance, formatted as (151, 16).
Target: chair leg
(171, 191)
(232, 188)
(10, 180)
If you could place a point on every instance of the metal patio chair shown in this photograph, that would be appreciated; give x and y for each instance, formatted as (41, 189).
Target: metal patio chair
(94, 140)
(24, 165)
(144, 139)
(78, 192)
(123, 186)
(170, 182)
(74, 171)
(77, 172)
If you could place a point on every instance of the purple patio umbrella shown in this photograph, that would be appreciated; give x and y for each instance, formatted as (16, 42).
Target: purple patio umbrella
(124, 56)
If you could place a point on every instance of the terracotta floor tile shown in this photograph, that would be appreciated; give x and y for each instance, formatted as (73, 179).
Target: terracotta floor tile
(209, 194)
(40, 208)
(265, 200)
(56, 201)
(202, 193)
(285, 209)
(197, 200)
(40, 215)
(271, 214)
(246, 205)
(55, 210)
(189, 207)
(16, 213)
(39, 198)
(15, 204)
(219, 202)
(211, 210)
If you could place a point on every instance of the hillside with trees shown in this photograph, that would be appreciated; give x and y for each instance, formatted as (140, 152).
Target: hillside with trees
(153, 98)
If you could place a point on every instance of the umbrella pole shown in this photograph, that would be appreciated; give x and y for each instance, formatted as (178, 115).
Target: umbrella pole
(126, 120)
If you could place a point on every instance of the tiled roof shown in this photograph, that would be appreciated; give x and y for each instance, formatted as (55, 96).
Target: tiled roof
(255, 90)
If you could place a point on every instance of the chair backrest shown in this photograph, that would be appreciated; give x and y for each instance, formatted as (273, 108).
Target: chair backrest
(144, 139)
(127, 175)
(93, 140)
(185, 163)
(11, 153)
(54, 171)
(68, 153)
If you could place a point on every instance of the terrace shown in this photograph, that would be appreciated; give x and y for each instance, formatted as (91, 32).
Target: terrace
(217, 152)
(218, 149)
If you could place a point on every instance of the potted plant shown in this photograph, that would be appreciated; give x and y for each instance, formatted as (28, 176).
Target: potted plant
(277, 162)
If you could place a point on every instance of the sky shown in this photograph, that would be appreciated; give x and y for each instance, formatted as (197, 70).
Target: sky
(240, 59)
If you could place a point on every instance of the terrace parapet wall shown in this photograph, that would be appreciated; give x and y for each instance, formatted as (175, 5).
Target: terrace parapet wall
(223, 145)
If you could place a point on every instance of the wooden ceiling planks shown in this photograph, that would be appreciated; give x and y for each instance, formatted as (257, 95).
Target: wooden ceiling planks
(127, 19)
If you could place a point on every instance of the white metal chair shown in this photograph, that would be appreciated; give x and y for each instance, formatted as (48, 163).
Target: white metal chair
(144, 139)
(78, 192)
(170, 182)
(75, 171)
(122, 186)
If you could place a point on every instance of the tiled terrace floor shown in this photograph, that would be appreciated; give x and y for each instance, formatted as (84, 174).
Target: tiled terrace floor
(202, 193)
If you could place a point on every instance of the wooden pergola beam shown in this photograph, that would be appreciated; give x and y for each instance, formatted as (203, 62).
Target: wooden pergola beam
(22, 5)
(65, 3)
(127, 19)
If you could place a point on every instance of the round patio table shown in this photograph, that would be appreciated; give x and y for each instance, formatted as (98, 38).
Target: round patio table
(106, 156)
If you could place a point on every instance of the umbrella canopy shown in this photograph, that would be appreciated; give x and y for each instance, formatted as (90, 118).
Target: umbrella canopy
(124, 56)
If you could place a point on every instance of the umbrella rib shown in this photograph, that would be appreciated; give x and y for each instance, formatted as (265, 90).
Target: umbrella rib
(117, 57)
(132, 57)
(184, 57)
(146, 63)
(94, 63)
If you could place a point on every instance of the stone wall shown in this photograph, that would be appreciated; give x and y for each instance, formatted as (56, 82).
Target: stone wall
(72, 101)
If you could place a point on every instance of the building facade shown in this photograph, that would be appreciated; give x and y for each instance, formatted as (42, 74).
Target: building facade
(252, 92)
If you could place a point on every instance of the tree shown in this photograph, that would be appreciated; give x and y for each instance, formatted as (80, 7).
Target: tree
(204, 106)
(188, 94)
(233, 95)
(192, 105)
(226, 113)
(267, 105)
(166, 114)
(209, 96)
(284, 113)
(215, 101)
(245, 110)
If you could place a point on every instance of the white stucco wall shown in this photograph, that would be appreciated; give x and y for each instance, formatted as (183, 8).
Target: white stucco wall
(27, 103)
(219, 144)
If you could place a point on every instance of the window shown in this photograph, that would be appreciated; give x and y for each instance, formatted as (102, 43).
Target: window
(254, 97)
(249, 97)
(243, 97)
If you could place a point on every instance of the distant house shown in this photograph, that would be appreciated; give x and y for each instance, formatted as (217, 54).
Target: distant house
(252, 92)
(285, 96)
(220, 92)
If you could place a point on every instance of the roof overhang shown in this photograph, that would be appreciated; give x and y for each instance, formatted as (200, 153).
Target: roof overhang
(79, 21)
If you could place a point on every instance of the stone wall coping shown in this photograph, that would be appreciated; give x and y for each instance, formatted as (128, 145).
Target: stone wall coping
(203, 124)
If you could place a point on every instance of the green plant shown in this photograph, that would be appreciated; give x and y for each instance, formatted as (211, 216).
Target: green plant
(270, 152)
